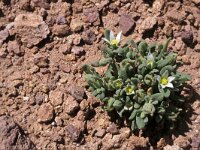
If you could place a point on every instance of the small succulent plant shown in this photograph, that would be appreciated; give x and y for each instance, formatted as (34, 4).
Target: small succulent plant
(140, 83)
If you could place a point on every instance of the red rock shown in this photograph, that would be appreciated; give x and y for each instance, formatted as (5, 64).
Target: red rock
(91, 15)
(147, 24)
(45, 113)
(89, 37)
(12, 136)
(126, 23)
(15, 48)
(3, 35)
(71, 106)
(176, 16)
(61, 30)
(56, 97)
(42, 3)
(77, 92)
(73, 132)
(31, 28)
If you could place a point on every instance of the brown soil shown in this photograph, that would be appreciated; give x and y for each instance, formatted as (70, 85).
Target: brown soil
(43, 44)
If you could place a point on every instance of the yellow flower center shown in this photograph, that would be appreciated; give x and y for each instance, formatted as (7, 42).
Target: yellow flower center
(164, 81)
(114, 42)
(129, 90)
(150, 62)
(118, 84)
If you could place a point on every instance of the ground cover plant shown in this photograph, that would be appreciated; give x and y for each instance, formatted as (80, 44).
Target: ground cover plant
(141, 81)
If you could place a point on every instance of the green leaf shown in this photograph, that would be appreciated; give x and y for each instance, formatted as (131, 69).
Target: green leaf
(157, 97)
(107, 34)
(140, 122)
(117, 104)
(182, 77)
(133, 125)
(110, 102)
(149, 108)
(133, 114)
(169, 68)
(143, 47)
(105, 61)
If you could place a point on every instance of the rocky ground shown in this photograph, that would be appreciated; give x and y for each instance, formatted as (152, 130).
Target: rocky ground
(43, 44)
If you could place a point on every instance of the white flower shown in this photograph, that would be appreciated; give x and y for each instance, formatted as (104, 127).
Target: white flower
(113, 41)
(166, 81)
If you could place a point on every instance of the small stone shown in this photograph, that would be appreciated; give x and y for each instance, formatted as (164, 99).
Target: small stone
(196, 1)
(78, 51)
(12, 136)
(71, 57)
(61, 20)
(31, 28)
(71, 106)
(15, 48)
(34, 69)
(65, 49)
(195, 143)
(89, 37)
(3, 52)
(126, 23)
(176, 16)
(161, 143)
(39, 98)
(77, 92)
(65, 68)
(56, 97)
(113, 129)
(42, 3)
(76, 24)
(187, 37)
(91, 15)
(59, 121)
(3, 35)
(182, 142)
(73, 132)
(45, 113)
(147, 24)
(61, 30)
(100, 133)
(41, 61)
(173, 147)
(185, 60)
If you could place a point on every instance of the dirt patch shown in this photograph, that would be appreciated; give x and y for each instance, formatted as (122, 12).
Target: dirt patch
(43, 45)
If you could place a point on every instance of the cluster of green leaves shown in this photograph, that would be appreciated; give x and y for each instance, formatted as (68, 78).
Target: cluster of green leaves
(140, 82)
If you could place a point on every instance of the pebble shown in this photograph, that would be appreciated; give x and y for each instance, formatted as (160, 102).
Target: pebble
(45, 113)
(73, 132)
(100, 133)
(126, 23)
(56, 97)
(3, 35)
(65, 49)
(113, 129)
(31, 28)
(187, 37)
(182, 142)
(71, 106)
(41, 61)
(76, 24)
(60, 30)
(91, 15)
(147, 24)
(89, 37)
(14, 47)
(77, 92)
(78, 51)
